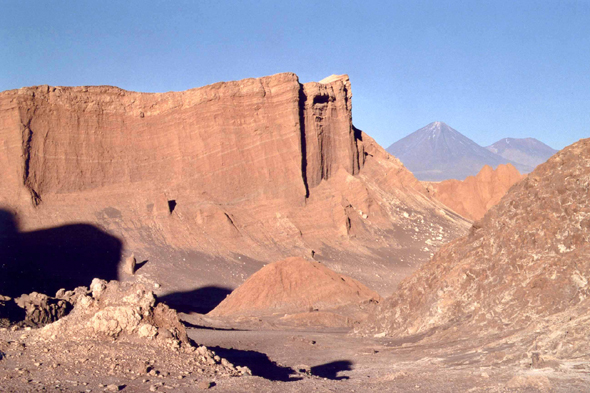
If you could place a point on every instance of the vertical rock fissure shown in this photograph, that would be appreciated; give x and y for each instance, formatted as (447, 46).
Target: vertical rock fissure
(302, 103)
(27, 139)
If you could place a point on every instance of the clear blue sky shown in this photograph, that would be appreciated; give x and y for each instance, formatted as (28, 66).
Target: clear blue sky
(490, 69)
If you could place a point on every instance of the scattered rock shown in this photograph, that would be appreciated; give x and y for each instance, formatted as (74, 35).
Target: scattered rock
(130, 263)
(204, 385)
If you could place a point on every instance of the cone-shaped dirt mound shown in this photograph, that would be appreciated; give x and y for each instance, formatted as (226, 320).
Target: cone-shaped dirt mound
(291, 286)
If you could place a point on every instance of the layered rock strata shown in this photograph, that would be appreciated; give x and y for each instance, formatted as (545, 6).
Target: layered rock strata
(208, 184)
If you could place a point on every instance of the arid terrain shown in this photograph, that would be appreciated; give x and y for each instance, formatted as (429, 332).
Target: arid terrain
(475, 195)
(245, 236)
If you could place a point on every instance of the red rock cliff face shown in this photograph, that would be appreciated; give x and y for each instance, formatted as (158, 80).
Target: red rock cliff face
(475, 195)
(259, 168)
(269, 136)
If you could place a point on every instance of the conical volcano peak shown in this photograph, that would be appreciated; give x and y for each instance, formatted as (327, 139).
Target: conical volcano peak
(438, 152)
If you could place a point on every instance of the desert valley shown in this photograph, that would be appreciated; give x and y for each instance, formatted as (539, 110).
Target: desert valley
(246, 236)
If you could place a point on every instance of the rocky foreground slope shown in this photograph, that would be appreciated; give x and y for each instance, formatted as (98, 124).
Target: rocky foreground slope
(475, 195)
(523, 268)
(205, 186)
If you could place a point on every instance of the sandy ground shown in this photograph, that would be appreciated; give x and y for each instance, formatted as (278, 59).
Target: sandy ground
(280, 360)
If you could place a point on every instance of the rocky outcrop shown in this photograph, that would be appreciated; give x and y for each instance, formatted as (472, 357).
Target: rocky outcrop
(32, 310)
(475, 195)
(114, 309)
(524, 267)
(292, 286)
(231, 175)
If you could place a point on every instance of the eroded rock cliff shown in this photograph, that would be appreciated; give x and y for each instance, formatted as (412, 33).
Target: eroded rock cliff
(475, 195)
(208, 184)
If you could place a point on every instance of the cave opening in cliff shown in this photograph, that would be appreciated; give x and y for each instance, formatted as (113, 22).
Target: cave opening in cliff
(171, 205)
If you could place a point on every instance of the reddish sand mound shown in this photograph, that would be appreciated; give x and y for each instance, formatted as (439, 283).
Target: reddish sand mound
(525, 265)
(475, 195)
(291, 286)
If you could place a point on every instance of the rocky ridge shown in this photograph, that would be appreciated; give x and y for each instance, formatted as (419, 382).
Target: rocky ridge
(475, 195)
(522, 272)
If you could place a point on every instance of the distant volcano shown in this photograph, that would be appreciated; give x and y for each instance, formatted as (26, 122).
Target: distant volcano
(525, 151)
(438, 152)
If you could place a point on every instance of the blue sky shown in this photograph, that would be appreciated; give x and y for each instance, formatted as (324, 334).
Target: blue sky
(490, 69)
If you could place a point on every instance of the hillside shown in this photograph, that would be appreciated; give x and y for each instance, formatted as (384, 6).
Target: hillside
(523, 271)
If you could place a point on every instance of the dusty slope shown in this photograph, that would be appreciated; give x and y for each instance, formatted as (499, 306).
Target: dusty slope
(475, 195)
(438, 152)
(293, 285)
(525, 265)
(208, 184)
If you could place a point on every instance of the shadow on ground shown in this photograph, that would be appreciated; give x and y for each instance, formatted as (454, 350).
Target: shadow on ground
(201, 300)
(48, 259)
(331, 370)
(258, 363)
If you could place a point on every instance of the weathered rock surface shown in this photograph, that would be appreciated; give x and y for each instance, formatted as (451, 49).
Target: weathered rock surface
(475, 195)
(114, 309)
(32, 310)
(41, 309)
(522, 270)
(210, 184)
(129, 312)
(10, 313)
(294, 286)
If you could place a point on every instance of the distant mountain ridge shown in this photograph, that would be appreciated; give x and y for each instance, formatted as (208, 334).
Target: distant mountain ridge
(526, 151)
(438, 152)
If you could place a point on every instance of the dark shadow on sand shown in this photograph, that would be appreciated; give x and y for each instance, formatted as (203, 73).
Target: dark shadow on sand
(193, 326)
(258, 363)
(139, 265)
(201, 300)
(331, 370)
(48, 259)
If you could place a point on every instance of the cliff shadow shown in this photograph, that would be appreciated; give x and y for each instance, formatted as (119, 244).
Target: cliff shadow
(258, 362)
(48, 259)
(200, 300)
(331, 370)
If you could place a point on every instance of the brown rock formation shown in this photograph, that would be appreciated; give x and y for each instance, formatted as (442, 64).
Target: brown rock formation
(525, 265)
(210, 183)
(475, 195)
(291, 286)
